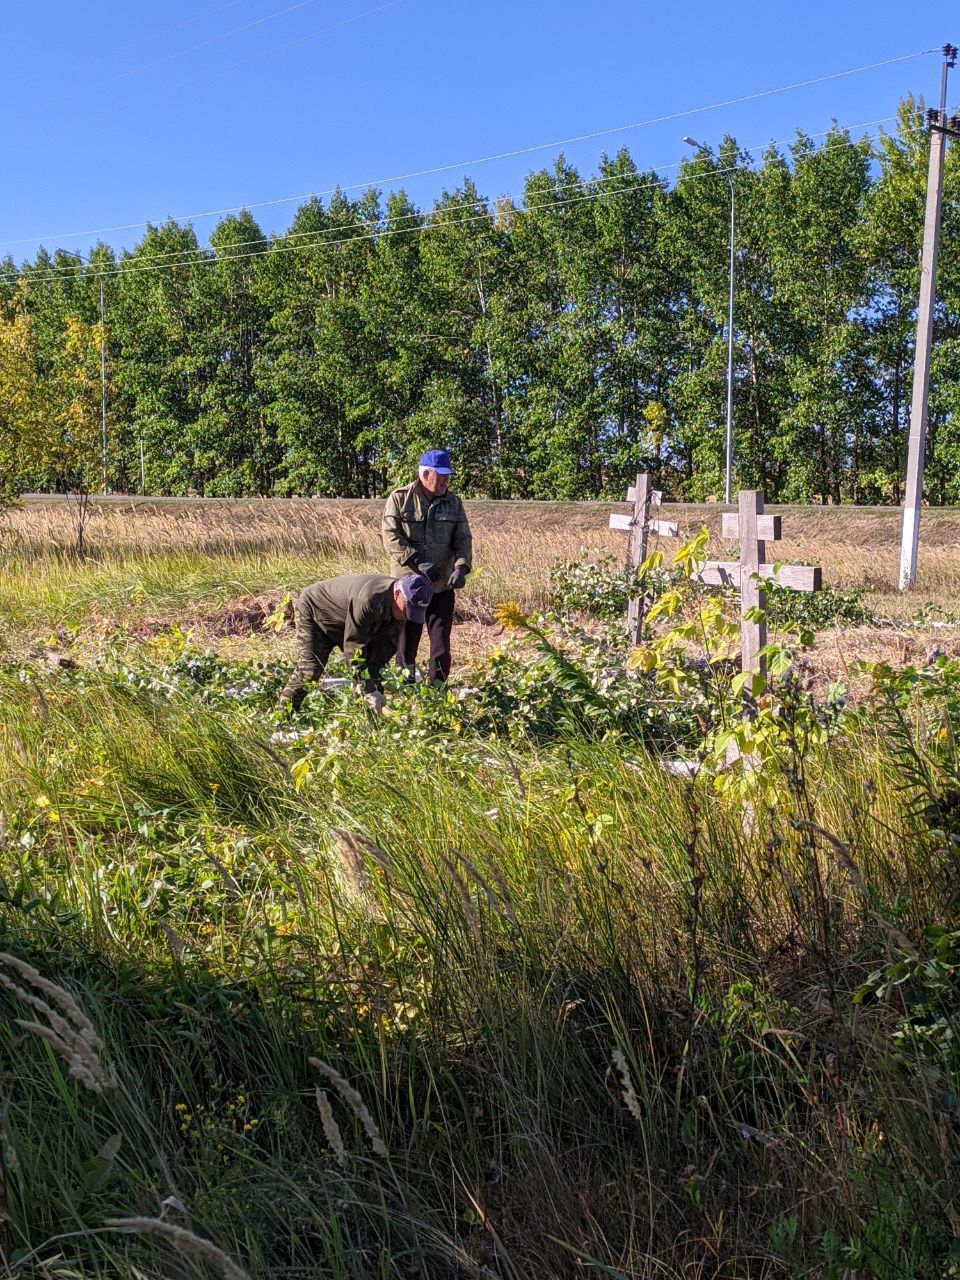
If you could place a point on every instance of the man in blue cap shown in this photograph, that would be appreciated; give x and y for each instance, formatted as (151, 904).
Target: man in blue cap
(361, 613)
(425, 530)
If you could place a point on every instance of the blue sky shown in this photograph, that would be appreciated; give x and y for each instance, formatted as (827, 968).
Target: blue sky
(118, 113)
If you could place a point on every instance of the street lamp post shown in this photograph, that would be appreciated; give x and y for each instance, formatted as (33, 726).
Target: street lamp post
(728, 469)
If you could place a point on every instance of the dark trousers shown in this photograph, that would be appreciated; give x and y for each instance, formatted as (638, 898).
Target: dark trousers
(314, 646)
(439, 625)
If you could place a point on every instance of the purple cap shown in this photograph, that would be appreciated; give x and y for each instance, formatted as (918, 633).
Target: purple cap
(437, 460)
(417, 592)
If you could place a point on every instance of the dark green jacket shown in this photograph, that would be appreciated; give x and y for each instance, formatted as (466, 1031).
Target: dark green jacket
(416, 528)
(355, 613)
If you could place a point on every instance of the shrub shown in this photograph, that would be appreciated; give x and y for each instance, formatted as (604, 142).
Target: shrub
(595, 586)
(816, 610)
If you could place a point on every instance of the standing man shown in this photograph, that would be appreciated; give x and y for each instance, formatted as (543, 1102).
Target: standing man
(361, 613)
(425, 531)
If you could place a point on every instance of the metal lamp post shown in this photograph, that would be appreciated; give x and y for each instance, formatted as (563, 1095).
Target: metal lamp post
(728, 470)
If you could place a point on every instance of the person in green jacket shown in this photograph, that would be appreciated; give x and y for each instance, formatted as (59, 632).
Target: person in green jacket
(360, 613)
(425, 530)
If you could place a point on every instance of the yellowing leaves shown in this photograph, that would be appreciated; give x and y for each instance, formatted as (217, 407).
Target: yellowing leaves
(642, 659)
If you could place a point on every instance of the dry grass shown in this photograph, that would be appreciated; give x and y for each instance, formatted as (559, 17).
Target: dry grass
(516, 541)
(207, 564)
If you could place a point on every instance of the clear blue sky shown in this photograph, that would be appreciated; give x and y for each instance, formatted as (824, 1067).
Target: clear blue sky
(118, 113)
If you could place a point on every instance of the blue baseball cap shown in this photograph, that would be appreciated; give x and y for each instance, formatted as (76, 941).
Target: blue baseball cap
(437, 460)
(417, 592)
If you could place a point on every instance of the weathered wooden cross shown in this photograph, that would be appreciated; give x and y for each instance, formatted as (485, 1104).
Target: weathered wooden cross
(748, 525)
(640, 526)
(754, 530)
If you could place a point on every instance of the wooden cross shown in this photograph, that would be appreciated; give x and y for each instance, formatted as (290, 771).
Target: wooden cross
(754, 530)
(639, 525)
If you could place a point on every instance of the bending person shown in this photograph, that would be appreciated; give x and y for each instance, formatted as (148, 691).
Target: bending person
(362, 614)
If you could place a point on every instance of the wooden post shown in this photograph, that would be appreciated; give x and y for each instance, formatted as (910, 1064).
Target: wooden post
(753, 529)
(639, 525)
(637, 553)
(753, 635)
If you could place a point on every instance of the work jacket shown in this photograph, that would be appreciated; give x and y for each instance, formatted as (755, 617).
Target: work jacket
(418, 529)
(355, 614)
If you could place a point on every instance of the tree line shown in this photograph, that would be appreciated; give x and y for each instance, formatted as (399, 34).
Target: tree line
(555, 344)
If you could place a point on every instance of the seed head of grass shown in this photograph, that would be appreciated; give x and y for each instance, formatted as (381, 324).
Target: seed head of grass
(185, 1242)
(331, 1129)
(352, 863)
(66, 1028)
(356, 1104)
(630, 1098)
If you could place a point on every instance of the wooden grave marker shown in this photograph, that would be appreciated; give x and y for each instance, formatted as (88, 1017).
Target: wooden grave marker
(639, 526)
(753, 529)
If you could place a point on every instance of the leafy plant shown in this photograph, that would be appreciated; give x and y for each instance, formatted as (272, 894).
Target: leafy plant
(594, 584)
(816, 610)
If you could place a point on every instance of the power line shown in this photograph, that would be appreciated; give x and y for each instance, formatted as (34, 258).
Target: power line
(187, 255)
(176, 26)
(503, 155)
(263, 53)
(207, 258)
(287, 44)
(223, 35)
(278, 246)
(202, 44)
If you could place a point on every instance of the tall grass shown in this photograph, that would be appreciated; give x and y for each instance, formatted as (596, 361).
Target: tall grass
(567, 1014)
(149, 561)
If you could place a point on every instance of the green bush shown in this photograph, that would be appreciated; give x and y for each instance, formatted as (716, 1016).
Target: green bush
(594, 585)
(816, 610)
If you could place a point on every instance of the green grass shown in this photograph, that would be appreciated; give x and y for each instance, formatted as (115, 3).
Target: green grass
(166, 585)
(468, 931)
(606, 1021)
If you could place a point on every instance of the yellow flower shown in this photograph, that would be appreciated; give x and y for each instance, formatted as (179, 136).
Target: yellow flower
(510, 614)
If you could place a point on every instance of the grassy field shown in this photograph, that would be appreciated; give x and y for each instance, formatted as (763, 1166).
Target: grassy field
(202, 564)
(478, 989)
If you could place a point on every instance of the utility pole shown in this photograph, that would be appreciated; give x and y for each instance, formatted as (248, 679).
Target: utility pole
(103, 389)
(939, 129)
(728, 454)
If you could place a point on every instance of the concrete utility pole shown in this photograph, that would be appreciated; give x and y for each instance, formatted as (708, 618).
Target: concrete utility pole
(75, 253)
(939, 128)
(103, 388)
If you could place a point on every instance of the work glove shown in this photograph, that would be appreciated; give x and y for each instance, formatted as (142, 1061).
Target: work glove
(426, 568)
(458, 578)
(374, 701)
